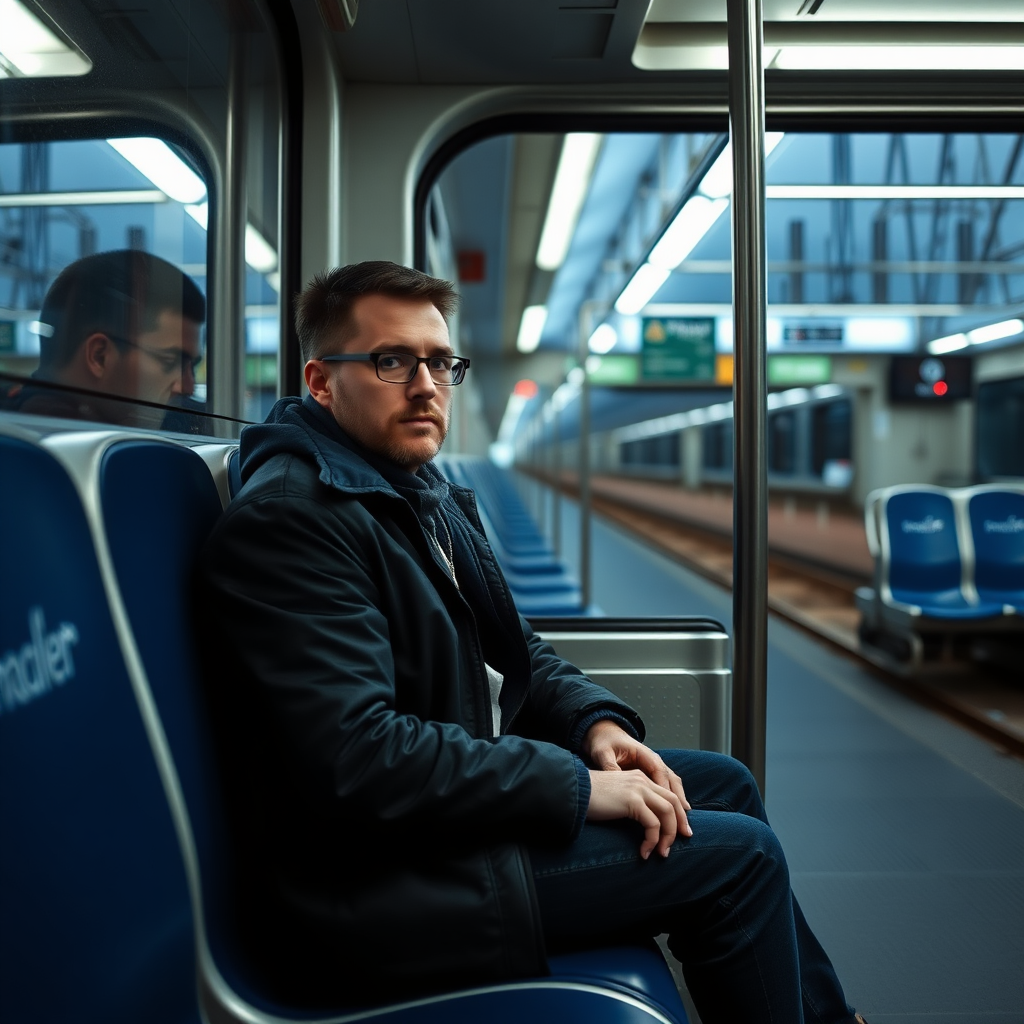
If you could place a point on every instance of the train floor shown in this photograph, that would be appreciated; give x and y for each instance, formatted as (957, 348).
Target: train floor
(904, 832)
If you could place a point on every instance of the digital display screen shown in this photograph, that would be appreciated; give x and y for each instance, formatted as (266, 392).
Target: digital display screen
(930, 378)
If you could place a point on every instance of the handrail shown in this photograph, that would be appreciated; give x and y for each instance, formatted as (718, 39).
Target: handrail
(750, 301)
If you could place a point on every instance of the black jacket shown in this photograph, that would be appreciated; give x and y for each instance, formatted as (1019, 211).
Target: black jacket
(380, 829)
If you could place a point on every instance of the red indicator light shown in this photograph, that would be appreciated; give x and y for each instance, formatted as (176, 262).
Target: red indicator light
(940, 387)
(526, 388)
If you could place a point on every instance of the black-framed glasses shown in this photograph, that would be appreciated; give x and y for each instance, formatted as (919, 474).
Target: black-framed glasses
(402, 367)
(171, 360)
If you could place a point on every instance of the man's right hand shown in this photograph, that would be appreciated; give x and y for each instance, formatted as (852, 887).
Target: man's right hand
(631, 794)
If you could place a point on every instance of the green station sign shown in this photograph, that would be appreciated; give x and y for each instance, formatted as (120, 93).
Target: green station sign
(799, 369)
(261, 370)
(678, 349)
(6, 336)
(613, 370)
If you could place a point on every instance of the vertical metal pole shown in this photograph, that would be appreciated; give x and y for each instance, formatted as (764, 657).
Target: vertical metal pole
(227, 351)
(750, 298)
(584, 459)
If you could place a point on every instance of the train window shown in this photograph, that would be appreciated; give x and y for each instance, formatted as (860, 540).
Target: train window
(831, 443)
(659, 452)
(880, 246)
(782, 442)
(137, 245)
(1000, 429)
(717, 438)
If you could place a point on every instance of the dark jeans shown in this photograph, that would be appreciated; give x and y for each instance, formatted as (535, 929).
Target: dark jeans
(722, 896)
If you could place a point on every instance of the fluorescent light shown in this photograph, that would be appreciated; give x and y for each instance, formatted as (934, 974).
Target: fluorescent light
(717, 183)
(951, 343)
(158, 162)
(603, 339)
(104, 197)
(531, 327)
(691, 224)
(30, 49)
(579, 151)
(200, 213)
(895, 191)
(259, 253)
(867, 331)
(641, 289)
(1009, 57)
(993, 332)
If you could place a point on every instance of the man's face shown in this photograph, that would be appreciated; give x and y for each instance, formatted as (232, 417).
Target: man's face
(405, 423)
(159, 365)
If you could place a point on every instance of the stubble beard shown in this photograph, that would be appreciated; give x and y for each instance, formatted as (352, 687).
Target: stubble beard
(405, 455)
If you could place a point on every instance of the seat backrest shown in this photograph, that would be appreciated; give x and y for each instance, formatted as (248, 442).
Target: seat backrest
(921, 552)
(221, 459)
(996, 517)
(871, 504)
(159, 504)
(95, 914)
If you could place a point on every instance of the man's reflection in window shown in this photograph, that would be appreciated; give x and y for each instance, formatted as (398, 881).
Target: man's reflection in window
(114, 326)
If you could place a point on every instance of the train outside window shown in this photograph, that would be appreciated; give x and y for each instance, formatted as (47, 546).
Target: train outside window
(128, 219)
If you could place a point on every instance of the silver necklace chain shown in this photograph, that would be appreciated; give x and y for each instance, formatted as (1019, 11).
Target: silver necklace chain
(449, 555)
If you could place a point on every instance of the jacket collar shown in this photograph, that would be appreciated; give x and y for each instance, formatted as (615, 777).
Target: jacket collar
(304, 428)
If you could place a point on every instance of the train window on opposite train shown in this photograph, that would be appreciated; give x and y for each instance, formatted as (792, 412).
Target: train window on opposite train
(830, 434)
(782, 442)
(1000, 429)
(132, 193)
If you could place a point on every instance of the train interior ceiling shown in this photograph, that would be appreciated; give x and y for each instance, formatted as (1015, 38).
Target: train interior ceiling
(568, 164)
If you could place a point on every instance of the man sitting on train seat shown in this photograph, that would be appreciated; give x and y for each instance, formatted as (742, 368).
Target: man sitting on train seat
(118, 341)
(424, 796)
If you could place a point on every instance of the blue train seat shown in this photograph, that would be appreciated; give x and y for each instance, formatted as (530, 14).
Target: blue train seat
(926, 574)
(221, 459)
(996, 519)
(155, 489)
(540, 584)
(922, 573)
(95, 914)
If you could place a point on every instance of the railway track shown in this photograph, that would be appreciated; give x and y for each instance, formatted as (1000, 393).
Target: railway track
(987, 699)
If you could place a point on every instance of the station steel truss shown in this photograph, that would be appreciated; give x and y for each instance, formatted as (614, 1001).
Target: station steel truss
(968, 245)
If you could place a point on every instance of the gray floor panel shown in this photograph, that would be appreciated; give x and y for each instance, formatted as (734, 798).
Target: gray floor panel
(895, 773)
(904, 833)
(926, 936)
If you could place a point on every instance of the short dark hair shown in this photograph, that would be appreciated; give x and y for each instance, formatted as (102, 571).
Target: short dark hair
(325, 307)
(120, 293)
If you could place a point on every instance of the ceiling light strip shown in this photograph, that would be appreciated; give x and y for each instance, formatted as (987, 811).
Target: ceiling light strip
(164, 168)
(531, 327)
(30, 49)
(572, 180)
(107, 197)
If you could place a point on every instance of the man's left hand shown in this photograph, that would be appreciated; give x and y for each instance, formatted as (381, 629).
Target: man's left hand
(611, 749)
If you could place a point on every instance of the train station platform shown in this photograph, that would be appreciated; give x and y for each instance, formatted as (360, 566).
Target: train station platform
(807, 529)
(904, 832)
